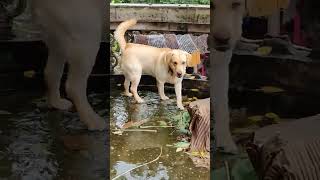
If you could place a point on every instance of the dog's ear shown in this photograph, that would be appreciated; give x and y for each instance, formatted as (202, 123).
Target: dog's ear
(168, 57)
(259, 8)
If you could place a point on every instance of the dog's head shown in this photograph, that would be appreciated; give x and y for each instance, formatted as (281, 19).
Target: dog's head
(177, 61)
(226, 20)
(226, 23)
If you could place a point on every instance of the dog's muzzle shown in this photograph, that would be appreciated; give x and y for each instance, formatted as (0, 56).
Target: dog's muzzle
(222, 48)
(221, 44)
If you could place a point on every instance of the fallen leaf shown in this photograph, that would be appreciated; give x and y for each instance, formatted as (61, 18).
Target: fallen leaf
(182, 144)
(264, 51)
(201, 154)
(179, 149)
(29, 74)
(189, 76)
(186, 103)
(119, 132)
(273, 116)
(268, 118)
(255, 118)
(134, 123)
(162, 123)
(270, 89)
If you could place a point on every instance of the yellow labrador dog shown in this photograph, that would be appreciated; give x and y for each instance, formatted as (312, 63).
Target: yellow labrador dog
(166, 65)
(226, 30)
(72, 30)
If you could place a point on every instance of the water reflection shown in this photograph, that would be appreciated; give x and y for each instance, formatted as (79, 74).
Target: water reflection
(135, 148)
(33, 143)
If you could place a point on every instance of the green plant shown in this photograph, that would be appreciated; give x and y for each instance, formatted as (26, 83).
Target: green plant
(181, 121)
(115, 48)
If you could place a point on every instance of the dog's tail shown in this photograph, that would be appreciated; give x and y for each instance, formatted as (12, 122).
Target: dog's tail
(121, 30)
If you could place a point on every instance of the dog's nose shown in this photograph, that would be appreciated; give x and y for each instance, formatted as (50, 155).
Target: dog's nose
(179, 75)
(221, 38)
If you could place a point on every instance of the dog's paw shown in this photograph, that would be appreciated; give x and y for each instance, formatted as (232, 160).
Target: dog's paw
(140, 101)
(61, 104)
(128, 94)
(165, 98)
(96, 123)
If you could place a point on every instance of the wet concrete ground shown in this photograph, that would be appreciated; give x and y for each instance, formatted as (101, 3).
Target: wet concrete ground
(38, 143)
(135, 148)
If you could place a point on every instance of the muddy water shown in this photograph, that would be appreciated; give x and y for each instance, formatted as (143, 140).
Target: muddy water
(38, 143)
(135, 148)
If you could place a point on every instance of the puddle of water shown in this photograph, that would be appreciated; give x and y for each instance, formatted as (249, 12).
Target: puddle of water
(135, 148)
(33, 144)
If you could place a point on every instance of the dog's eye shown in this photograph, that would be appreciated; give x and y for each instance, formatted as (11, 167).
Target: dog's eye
(236, 5)
(183, 63)
(175, 63)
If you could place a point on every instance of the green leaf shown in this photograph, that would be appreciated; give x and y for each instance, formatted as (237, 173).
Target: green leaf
(181, 121)
(271, 89)
(255, 119)
(182, 144)
(29, 74)
(186, 116)
(264, 51)
(273, 116)
(162, 123)
(195, 90)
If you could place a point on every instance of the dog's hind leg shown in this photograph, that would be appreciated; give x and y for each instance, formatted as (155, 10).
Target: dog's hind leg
(53, 73)
(77, 34)
(135, 80)
(126, 85)
(81, 59)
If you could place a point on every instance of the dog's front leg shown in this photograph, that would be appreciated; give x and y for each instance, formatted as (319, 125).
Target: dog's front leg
(161, 90)
(219, 83)
(178, 89)
(53, 73)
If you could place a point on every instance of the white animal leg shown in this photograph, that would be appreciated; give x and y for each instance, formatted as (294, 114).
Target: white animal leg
(219, 76)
